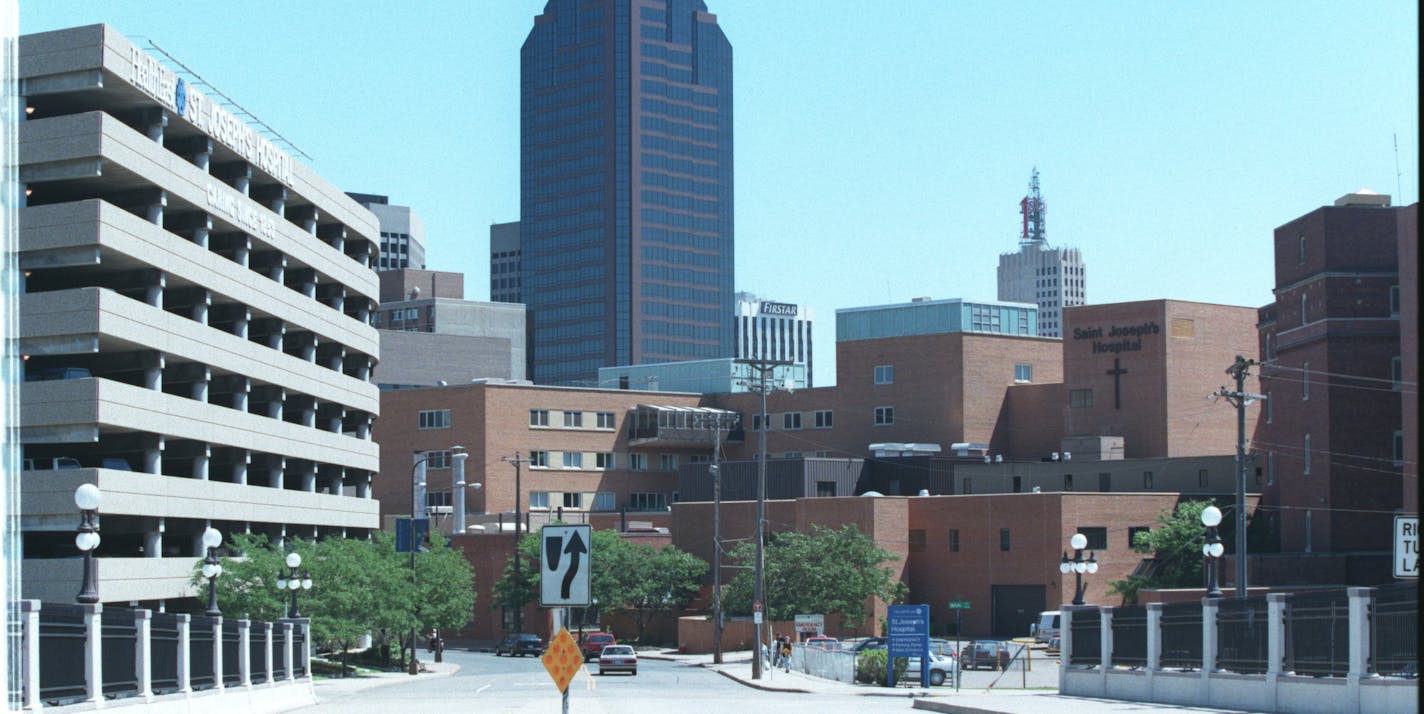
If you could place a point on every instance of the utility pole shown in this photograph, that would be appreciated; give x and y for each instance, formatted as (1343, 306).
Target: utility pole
(1240, 399)
(763, 367)
(716, 470)
(518, 525)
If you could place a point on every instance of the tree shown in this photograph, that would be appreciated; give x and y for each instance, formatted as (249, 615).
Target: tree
(824, 571)
(445, 587)
(247, 588)
(1176, 546)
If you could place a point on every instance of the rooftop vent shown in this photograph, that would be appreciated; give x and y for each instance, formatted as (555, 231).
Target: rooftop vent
(1363, 197)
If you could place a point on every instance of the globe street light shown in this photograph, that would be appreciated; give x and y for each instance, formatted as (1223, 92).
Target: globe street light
(87, 498)
(1077, 565)
(212, 538)
(294, 581)
(1212, 548)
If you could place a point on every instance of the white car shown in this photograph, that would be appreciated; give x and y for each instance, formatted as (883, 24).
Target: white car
(942, 669)
(618, 658)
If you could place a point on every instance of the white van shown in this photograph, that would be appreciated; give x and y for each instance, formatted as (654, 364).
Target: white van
(1048, 627)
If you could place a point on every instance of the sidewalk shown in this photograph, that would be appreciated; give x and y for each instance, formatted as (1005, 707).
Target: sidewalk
(326, 688)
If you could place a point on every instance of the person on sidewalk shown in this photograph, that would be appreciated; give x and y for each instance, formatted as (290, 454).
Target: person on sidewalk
(786, 652)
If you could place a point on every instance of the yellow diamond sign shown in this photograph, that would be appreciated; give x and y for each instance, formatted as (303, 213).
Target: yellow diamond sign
(562, 659)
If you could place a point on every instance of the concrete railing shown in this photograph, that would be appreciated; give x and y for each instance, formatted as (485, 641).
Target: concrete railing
(1205, 683)
(838, 665)
(272, 671)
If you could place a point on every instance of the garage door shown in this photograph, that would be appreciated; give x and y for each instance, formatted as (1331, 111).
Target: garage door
(1015, 607)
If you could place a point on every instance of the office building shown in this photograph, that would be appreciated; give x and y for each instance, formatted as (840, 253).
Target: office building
(1332, 435)
(626, 228)
(767, 330)
(505, 284)
(402, 232)
(195, 325)
(1051, 278)
(431, 335)
(703, 376)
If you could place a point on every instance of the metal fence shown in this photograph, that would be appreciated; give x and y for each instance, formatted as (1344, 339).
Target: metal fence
(1241, 636)
(1182, 635)
(837, 665)
(1394, 630)
(62, 640)
(163, 652)
(200, 653)
(1129, 631)
(1317, 633)
(1087, 638)
(257, 653)
(299, 667)
(119, 650)
(232, 654)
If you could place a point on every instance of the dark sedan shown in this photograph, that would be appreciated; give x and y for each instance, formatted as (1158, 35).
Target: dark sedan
(519, 645)
(985, 653)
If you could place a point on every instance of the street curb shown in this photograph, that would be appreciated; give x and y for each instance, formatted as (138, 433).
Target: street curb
(761, 687)
(352, 685)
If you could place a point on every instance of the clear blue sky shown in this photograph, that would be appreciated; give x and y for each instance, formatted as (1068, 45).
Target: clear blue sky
(881, 148)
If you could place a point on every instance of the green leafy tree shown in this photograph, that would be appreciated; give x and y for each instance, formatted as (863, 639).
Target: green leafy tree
(445, 586)
(825, 571)
(247, 588)
(515, 592)
(1176, 548)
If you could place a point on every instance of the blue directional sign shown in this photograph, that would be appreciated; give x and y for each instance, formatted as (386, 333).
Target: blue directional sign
(908, 635)
(403, 535)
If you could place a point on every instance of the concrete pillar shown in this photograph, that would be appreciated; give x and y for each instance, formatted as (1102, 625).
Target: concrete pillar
(143, 653)
(1154, 643)
(305, 650)
(338, 483)
(338, 359)
(242, 252)
(363, 427)
(1359, 612)
(153, 291)
(309, 344)
(185, 643)
(1210, 607)
(203, 157)
(363, 485)
(267, 648)
(240, 321)
(153, 364)
(309, 221)
(30, 620)
(93, 653)
(309, 477)
(200, 385)
(1065, 647)
(287, 649)
(278, 270)
(277, 404)
(202, 228)
(217, 652)
(277, 472)
(309, 412)
(334, 422)
(201, 306)
(153, 457)
(239, 466)
(239, 394)
(1275, 646)
(241, 179)
(459, 477)
(1106, 633)
(244, 651)
(153, 212)
(202, 461)
(153, 540)
(153, 125)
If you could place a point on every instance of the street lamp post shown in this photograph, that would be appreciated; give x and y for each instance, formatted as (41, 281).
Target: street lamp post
(87, 498)
(517, 460)
(212, 538)
(1212, 548)
(763, 368)
(294, 581)
(1077, 565)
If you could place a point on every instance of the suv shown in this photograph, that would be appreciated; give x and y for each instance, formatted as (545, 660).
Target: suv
(593, 644)
(518, 645)
(985, 653)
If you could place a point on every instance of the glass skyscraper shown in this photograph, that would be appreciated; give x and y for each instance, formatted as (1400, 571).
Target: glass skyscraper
(626, 186)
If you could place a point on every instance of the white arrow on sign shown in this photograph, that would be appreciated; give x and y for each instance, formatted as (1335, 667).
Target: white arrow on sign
(564, 567)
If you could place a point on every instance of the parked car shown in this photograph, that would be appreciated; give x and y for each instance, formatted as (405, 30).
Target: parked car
(869, 643)
(593, 644)
(45, 374)
(1047, 626)
(520, 644)
(830, 644)
(618, 658)
(985, 653)
(942, 668)
(115, 464)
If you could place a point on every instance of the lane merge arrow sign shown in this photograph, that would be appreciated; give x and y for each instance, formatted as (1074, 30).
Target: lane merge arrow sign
(564, 572)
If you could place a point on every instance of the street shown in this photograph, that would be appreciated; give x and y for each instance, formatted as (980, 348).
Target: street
(520, 684)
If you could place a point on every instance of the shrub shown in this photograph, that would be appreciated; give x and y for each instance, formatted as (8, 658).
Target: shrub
(870, 667)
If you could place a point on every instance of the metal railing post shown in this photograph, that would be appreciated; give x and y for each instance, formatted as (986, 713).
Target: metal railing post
(1210, 606)
(244, 652)
(93, 652)
(143, 653)
(287, 646)
(1154, 643)
(1275, 645)
(30, 612)
(217, 652)
(1359, 612)
(267, 646)
(185, 646)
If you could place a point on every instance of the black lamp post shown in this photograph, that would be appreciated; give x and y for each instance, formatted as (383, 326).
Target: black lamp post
(87, 498)
(293, 580)
(1077, 565)
(212, 538)
(1212, 548)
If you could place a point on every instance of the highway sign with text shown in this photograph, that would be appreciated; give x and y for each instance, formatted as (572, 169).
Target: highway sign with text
(564, 565)
(1406, 546)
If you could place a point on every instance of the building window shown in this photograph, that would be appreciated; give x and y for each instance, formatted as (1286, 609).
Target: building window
(1309, 546)
(1023, 373)
(1004, 539)
(884, 416)
(1132, 532)
(637, 462)
(1307, 453)
(791, 420)
(1147, 480)
(1270, 409)
(606, 420)
(1302, 309)
(1266, 349)
(756, 422)
(1202, 478)
(605, 460)
(823, 419)
(954, 540)
(1394, 301)
(1105, 482)
(647, 502)
(573, 420)
(573, 500)
(791, 455)
(968, 486)
(1067, 482)
(1398, 447)
(1080, 398)
(605, 501)
(538, 417)
(1270, 468)
(1396, 373)
(1305, 382)
(436, 499)
(667, 462)
(539, 499)
(1301, 258)
(434, 419)
(437, 459)
(1018, 484)
(823, 454)
(917, 540)
(539, 459)
(573, 459)
(1097, 536)
(884, 374)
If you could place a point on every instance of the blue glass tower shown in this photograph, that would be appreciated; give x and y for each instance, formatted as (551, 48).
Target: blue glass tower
(625, 186)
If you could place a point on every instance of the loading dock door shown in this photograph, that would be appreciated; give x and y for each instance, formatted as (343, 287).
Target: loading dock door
(1015, 607)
